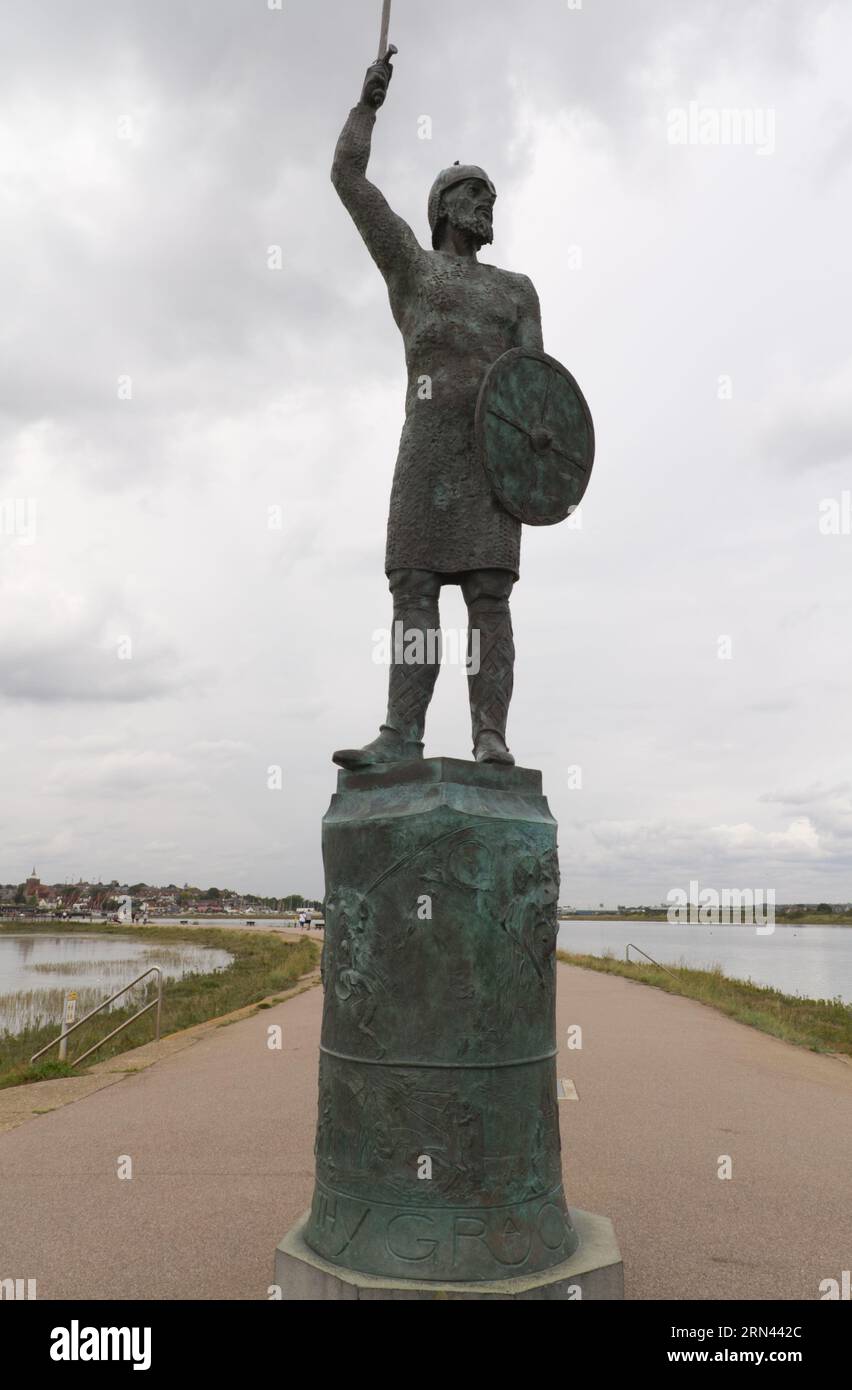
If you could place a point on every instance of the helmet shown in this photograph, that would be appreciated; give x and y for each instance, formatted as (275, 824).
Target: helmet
(457, 173)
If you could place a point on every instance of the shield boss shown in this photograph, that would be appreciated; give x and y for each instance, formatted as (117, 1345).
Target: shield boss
(535, 436)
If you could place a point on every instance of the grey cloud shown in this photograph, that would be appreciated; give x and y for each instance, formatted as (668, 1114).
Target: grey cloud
(808, 796)
(78, 660)
(810, 426)
(254, 387)
(126, 772)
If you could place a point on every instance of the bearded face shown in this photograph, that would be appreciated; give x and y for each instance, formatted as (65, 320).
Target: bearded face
(469, 207)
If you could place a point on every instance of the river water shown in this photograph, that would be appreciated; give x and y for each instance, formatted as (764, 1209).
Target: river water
(36, 968)
(812, 961)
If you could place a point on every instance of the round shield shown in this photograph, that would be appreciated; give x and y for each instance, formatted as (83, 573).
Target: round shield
(535, 436)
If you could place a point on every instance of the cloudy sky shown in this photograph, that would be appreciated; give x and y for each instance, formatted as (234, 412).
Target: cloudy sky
(166, 397)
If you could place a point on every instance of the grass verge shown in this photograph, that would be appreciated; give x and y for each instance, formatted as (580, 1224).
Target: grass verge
(263, 965)
(823, 1025)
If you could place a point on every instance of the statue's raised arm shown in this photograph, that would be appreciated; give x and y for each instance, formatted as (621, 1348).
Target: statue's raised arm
(388, 238)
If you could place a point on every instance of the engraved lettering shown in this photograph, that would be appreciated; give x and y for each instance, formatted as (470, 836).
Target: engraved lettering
(509, 1241)
(327, 1216)
(475, 1231)
(551, 1226)
(407, 1235)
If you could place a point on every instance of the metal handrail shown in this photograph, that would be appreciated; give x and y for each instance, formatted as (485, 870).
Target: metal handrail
(647, 957)
(155, 1003)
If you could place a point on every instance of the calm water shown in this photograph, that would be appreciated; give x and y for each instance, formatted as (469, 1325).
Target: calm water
(812, 961)
(36, 969)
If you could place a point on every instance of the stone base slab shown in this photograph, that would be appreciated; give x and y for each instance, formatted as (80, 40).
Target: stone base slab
(594, 1271)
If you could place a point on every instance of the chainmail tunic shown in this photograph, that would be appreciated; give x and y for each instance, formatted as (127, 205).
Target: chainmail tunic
(456, 317)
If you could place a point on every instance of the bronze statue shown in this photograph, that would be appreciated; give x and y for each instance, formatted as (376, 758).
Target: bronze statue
(447, 524)
(438, 1164)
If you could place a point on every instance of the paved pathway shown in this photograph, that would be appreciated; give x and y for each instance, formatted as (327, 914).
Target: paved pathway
(221, 1137)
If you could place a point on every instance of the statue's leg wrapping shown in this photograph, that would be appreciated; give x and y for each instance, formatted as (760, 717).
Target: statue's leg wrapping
(491, 660)
(415, 650)
(415, 661)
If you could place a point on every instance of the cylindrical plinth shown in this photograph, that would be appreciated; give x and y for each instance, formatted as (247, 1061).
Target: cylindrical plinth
(437, 1145)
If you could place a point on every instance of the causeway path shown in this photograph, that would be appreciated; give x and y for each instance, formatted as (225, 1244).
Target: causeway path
(220, 1133)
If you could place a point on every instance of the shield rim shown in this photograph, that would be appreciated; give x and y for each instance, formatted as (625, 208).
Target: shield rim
(513, 354)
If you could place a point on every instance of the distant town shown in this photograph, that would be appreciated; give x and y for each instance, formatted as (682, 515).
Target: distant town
(32, 898)
(145, 901)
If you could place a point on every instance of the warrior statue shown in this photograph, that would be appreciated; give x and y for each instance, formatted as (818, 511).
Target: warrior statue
(447, 525)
